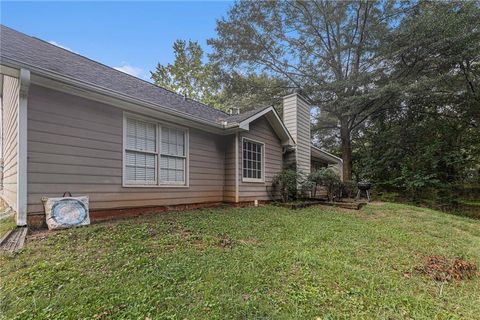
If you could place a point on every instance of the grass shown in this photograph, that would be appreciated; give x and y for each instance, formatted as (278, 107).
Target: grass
(7, 224)
(474, 203)
(265, 263)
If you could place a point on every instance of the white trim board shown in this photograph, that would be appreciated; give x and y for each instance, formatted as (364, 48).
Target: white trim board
(275, 121)
(237, 193)
(328, 154)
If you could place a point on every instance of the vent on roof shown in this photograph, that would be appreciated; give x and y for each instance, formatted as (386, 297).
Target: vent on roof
(234, 110)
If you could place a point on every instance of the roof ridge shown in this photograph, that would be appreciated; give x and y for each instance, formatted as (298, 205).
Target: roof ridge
(111, 68)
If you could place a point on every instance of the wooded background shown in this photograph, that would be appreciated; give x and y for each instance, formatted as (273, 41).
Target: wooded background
(396, 84)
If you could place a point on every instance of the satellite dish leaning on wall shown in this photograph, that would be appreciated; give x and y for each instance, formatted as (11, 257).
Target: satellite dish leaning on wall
(66, 212)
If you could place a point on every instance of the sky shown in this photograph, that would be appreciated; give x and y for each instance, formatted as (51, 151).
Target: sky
(130, 36)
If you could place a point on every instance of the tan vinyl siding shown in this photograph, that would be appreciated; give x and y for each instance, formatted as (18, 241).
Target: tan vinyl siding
(290, 116)
(297, 120)
(229, 190)
(75, 145)
(261, 131)
(10, 101)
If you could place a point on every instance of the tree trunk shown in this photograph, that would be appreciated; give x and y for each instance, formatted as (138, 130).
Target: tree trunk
(346, 149)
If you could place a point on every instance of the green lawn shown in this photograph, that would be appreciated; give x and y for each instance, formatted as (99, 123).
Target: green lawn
(268, 263)
(7, 224)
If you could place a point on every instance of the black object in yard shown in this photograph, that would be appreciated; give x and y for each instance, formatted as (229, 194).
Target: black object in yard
(364, 186)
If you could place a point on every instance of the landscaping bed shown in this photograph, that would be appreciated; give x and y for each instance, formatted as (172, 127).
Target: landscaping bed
(301, 204)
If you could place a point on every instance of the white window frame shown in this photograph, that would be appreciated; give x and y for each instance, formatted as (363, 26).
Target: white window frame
(158, 183)
(254, 180)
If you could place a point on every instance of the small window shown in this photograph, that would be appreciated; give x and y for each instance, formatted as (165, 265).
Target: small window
(252, 161)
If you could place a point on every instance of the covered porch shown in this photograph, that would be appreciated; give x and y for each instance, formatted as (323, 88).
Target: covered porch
(323, 159)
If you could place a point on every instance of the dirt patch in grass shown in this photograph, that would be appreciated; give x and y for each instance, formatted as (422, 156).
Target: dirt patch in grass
(225, 242)
(442, 269)
(190, 237)
(38, 235)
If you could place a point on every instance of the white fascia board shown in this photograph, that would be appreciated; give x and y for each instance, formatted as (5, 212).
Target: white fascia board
(274, 120)
(328, 154)
(8, 71)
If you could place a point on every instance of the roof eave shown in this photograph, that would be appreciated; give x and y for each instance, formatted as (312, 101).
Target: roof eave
(327, 156)
(274, 119)
(42, 74)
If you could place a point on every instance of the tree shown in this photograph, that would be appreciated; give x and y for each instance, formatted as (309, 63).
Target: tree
(333, 51)
(250, 91)
(189, 75)
(205, 82)
(430, 142)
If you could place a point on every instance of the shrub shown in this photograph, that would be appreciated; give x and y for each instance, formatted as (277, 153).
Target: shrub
(286, 183)
(307, 188)
(329, 179)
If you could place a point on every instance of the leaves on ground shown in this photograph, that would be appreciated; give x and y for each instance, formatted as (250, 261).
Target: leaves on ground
(443, 269)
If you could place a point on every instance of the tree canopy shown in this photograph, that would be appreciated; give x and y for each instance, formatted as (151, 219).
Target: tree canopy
(333, 51)
(188, 75)
(429, 141)
(397, 83)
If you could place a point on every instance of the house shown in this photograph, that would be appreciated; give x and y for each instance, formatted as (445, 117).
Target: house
(69, 123)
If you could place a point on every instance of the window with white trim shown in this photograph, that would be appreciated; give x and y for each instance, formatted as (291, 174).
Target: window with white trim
(155, 154)
(252, 160)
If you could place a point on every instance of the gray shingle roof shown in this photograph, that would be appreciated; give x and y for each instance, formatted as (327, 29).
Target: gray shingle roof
(28, 50)
(237, 118)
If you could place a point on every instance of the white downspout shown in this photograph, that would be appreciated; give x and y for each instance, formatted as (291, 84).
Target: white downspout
(22, 149)
(236, 168)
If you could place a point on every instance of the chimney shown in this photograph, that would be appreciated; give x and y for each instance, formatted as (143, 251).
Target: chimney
(296, 117)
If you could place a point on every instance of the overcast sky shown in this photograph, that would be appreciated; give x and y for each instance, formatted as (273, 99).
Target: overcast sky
(131, 36)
